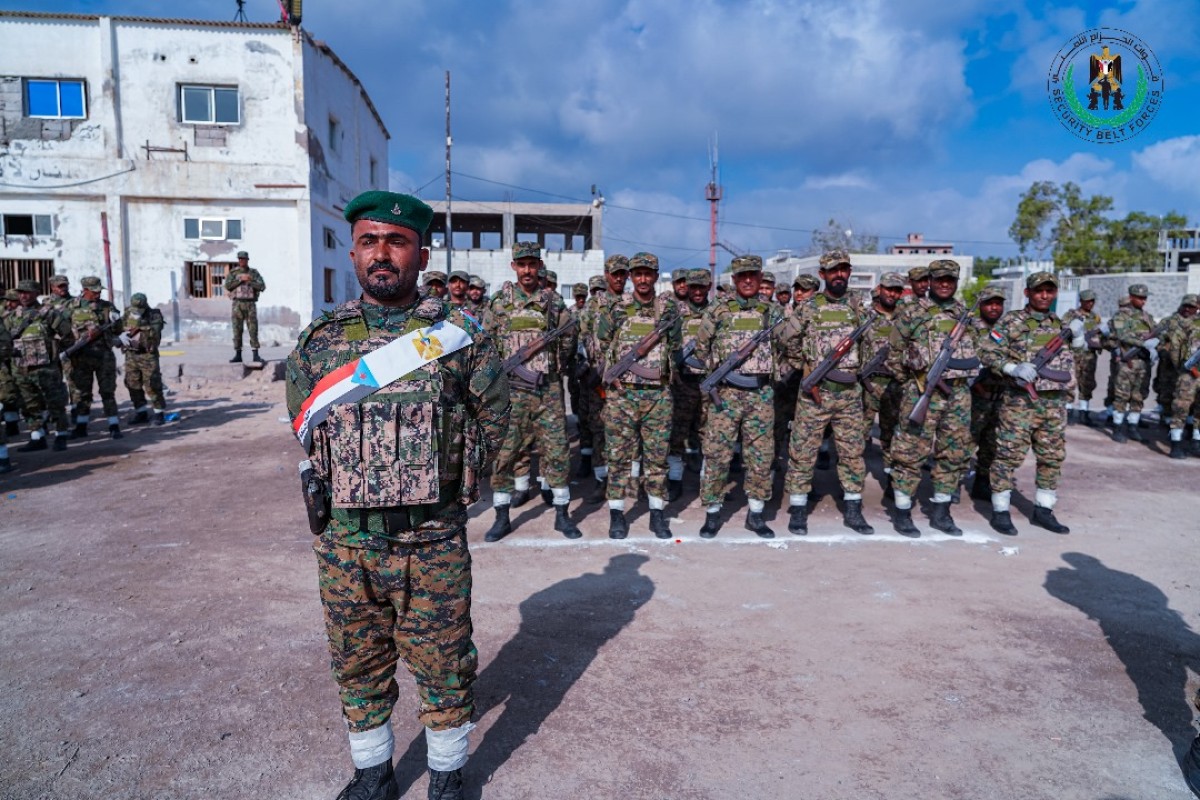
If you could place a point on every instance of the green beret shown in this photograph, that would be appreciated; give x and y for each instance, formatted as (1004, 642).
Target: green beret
(28, 285)
(460, 275)
(59, 280)
(943, 268)
(750, 263)
(138, 299)
(434, 275)
(243, 254)
(1192, 300)
(643, 261)
(992, 292)
(1038, 278)
(831, 258)
(390, 208)
(597, 282)
(91, 283)
(616, 263)
(1087, 294)
(476, 282)
(526, 250)
(699, 277)
(579, 290)
(806, 283)
(1139, 290)
(918, 273)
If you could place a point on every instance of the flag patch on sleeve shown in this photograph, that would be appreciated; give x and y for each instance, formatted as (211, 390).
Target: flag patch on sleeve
(995, 336)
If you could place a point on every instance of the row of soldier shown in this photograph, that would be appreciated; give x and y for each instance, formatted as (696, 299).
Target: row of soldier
(663, 381)
(55, 351)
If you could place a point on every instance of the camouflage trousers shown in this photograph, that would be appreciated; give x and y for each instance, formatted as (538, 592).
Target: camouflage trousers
(1085, 372)
(1131, 385)
(841, 408)
(245, 312)
(985, 416)
(410, 604)
(580, 412)
(750, 414)
(946, 435)
(1026, 422)
(537, 420)
(96, 366)
(687, 415)
(1186, 401)
(637, 420)
(883, 398)
(10, 396)
(1166, 375)
(42, 395)
(785, 410)
(593, 408)
(143, 379)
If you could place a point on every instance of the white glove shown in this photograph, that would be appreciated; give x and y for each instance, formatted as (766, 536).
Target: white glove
(1104, 327)
(1076, 326)
(1150, 344)
(125, 340)
(1078, 342)
(1153, 357)
(1023, 372)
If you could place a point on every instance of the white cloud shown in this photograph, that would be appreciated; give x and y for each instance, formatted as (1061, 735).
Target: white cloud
(1174, 163)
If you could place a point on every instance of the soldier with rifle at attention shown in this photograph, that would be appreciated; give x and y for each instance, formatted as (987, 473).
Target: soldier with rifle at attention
(687, 406)
(1132, 329)
(881, 394)
(616, 271)
(38, 334)
(95, 322)
(987, 393)
(1086, 355)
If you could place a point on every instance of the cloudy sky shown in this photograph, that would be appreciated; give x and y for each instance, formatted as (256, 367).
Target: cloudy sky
(896, 117)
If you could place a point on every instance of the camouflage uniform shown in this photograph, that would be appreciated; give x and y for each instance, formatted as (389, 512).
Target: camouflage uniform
(881, 393)
(61, 303)
(38, 333)
(95, 361)
(142, 329)
(1167, 372)
(10, 397)
(244, 295)
(728, 324)
(1130, 327)
(590, 426)
(987, 395)
(1186, 401)
(787, 387)
(598, 306)
(1024, 420)
(687, 414)
(6, 386)
(1087, 355)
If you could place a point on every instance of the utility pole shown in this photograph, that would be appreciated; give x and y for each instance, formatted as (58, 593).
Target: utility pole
(712, 193)
(449, 142)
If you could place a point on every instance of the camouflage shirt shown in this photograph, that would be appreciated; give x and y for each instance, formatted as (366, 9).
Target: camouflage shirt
(244, 290)
(516, 318)
(597, 306)
(728, 323)
(1018, 337)
(627, 321)
(816, 328)
(39, 333)
(918, 335)
(144, 328)
(1131, 326)
(463, 389)
(87, 317)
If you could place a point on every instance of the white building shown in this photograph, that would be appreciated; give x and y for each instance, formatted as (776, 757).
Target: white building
(867, 267)
(193, 140)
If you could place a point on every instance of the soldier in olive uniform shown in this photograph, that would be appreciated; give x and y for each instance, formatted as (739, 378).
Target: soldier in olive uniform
(6, 387)
(987, 394)
(679, 285)
(881, 393)
(434, 283)
(244, 284)
(1167, 372)
(141, 333)
(59, 299)
(788, 385)
(522, 313)
(783, 295)
(766, 287)
(1184, 342)
(586, 381)
(456, 288)
(918, 279)
(10, 397)
(1086, 348)
(1033, 412)
(38, 333)
(1132, 329)
(638, 404)
(616, 270)
(95, 320)
(476, 289)
(687, 415)
(946, 433)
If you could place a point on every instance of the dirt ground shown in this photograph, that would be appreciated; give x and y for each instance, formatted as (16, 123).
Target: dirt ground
(161, 636)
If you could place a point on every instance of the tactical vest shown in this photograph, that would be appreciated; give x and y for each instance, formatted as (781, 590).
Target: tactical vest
(691, 327)
(33, 346)
(1036, 335)
(638, 321)
(402, 445)
(738, 328)
(85, 315)
(941, 323)
(524, 323)
(149, 324)
(830, 321)
(243, 290)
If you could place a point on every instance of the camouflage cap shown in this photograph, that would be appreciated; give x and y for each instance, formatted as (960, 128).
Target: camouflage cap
(597, 282)
(460, 275)
(749, 263)
(722, 288)
(138, 299)
(1086, 294)
(679, 275)
(699, 277)
(390, 208)
(918, 273)
(552, 276)
(1139, 290)
(59, 280)
(242, 254)
(616, 263)
(11, 294)
(831, 258)
(806, 283)
(28, 285)
(476, 282)
(434, 275)
(892, 280)
(992, 292)
(579, 290)
(1038, 278)
(768, 278)
(91, 283)
(643, 261)
(944, 268)
(526, 250)
(1192, 300)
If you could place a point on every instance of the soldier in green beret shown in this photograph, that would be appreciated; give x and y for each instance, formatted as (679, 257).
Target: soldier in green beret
(390, 472)
(244, 284)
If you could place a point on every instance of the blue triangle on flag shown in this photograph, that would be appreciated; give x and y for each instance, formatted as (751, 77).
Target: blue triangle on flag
(362, 375)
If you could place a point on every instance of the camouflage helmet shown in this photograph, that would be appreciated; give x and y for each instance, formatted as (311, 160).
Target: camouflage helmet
(616, 263)
(806, 283)
(1086, 294)
(992, 292)
(579, 290)
(597, 282)
(91, 283)
(526, 250)
(59, 280)
(944, 268)
(918, 273)
(831, 258)
(699, 277)
(892, 280)
(138, 300)
(747, 263)
(1139, 290)
(1038, 278)
(643, 261)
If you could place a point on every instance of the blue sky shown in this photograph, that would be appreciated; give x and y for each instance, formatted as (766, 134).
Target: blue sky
(906, 116)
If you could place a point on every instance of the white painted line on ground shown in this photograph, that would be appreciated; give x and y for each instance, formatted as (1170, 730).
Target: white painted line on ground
(778, 543)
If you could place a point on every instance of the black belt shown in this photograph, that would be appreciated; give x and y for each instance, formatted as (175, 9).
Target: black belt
(760, 382)
(399, 519)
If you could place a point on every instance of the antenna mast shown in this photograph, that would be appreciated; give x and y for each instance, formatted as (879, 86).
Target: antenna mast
(712, 193)
(449, 142)
(240, 16)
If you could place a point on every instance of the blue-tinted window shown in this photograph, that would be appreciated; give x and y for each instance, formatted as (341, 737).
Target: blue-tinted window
(227, 105)
(55, 99)
(71, 97)
(209, 105)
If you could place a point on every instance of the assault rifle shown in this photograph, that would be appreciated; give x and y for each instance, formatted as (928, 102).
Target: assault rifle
(514, 365)
(875, 366)
(688, 357)
(1192, 365)
(1128, 355)
(827, 368)
(941, 362)
(1044, 357)
(725, 371)
(628, 362)
(93, 333)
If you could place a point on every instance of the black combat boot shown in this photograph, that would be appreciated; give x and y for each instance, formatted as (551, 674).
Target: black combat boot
(981, 488)
(60, 441)
(373, 783)
(712, 524)
(563, 524)
(1135, 433)
(585, 466)
(12, 428)
(694, 461)
(599, 494)
(618, 526)
(1044, 518)
(256, 357)
(140, 417)
(34, 445)
(939, 517)
(445, 785)
(674, 490)
(547, 496)
(903, 524)
(237, 357)
(81, 431)
(501, 527)
(889, 491)
(520, 497)
(1177, 450)
(756, 524)
(160, 418)
(5, 465)
(798, 520)
(1194, 448)
(1119, 433)
(114, 431)
(660, 526)
(1086, 418)
(1002, 523)
(852, 518)
(1072, 416)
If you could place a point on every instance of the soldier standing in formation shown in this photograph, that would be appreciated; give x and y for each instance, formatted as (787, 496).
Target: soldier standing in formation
(918, 280)
(987, 395)
(881, 394)
(1087, 349)
(456, 288)
(766, 287)
(476, 288)
(39, 333)
(744, 411)
(616, 270)
(687, 414)
(244, 284)
(10, 397)
(141, 333)
(638, 404)
(1168, 368)
(6, 389)
(1184, 343)
(1132, 328)
(587, 409)
(434, 283)
(520, 314)
(94, 320)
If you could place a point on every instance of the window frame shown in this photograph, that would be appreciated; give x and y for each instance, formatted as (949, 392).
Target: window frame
(36, 221)
(226, 224)
(211, 88)
(58, 82)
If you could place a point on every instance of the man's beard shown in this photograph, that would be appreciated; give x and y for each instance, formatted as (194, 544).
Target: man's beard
(386, 292)
(836, 287)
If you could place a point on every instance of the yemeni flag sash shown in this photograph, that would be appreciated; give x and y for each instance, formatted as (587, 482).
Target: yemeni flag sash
(352, 382)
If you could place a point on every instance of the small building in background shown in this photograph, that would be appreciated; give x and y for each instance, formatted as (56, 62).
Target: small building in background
(916, 245)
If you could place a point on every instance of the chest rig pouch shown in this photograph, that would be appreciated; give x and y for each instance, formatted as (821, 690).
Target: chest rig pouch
(1059, 374)
(744, 323)
(964, 362)
(691, 327)
(639, 321)
(527, 323)
(31, 347)
(831, 323)
(243, 291)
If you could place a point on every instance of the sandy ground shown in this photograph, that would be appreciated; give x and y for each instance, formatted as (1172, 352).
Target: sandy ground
(161, 636)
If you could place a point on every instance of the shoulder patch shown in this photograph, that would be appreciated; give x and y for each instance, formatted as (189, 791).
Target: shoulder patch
(996, 336)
